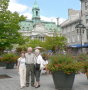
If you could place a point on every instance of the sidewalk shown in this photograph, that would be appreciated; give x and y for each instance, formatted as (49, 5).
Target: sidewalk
(80, 83)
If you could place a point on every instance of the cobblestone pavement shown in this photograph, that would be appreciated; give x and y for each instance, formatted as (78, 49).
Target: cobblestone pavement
(80, 83)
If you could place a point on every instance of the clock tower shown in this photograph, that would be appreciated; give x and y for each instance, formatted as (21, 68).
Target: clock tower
(36, 13)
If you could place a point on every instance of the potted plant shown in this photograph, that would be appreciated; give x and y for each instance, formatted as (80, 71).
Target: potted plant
(9, 59)
(84, 59)
(1, 62)
(86, 68)
(63, 69)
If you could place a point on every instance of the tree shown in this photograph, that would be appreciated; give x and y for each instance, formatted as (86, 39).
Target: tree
(29, 43)
(9, 26)
(34, 43)
(54, 43)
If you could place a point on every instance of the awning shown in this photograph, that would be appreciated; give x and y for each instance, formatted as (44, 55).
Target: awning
(78, 46)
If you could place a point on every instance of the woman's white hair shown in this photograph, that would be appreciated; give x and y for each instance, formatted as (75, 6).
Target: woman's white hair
(37, 51)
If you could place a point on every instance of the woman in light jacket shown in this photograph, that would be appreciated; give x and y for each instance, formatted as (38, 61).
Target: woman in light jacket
(22, 69)
(38, 67)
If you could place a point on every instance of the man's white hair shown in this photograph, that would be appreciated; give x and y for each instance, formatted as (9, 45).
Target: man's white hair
(29, 48)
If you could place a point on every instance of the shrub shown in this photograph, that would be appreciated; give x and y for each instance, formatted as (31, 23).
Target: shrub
(10, 57)
(65, 63)
(84, 59)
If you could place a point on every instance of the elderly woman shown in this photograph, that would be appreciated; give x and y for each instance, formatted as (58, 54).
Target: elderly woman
(22, 69)
(38, 67)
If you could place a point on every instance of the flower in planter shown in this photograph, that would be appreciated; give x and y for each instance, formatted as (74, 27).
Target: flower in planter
(65, 63)
(10, 57)
(84, 59)
(1, 59)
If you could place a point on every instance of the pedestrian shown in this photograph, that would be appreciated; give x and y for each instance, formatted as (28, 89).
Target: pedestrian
(22, 69)
(45, 58)
(38, 67)
(29, 67)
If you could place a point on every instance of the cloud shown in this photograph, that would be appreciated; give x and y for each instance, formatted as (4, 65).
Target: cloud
(25, 10)
(53, 19)
(49, 19)
(13, 1)
(28, 15)
(20, 8)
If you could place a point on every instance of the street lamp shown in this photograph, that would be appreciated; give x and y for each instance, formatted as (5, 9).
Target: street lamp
(80, 30)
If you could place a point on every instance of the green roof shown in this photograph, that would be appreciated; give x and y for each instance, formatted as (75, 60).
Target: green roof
(35, 6)
(29, 24)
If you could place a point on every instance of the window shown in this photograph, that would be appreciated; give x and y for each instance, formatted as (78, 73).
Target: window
(73, 38)
(86, 18)
(23, 28)
(68, 40)
(36, 13)
(78, 37)
(87, 33)
(27, 28)
(86, 5)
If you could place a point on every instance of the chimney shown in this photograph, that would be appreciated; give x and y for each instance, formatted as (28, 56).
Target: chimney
(57, 20)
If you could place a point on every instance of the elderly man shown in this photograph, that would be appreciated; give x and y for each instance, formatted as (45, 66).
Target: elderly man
(29, 67)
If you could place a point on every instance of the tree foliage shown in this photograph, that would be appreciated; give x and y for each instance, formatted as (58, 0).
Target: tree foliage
(29, 43)
(9, 26)
(54, 43)
(50, 43)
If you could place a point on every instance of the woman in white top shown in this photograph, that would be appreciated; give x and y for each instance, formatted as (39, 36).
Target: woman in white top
(22, 69)
(38, 67)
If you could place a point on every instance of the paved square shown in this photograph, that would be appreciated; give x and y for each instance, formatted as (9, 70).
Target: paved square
(80, 83)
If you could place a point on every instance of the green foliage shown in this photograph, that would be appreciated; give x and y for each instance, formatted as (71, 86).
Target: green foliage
(10, 57)
(84, 59)
(31, 43)
(57, 42)
(21, 48)
(9, 26)
(4, 5)
(34, 43)
(65, 63)
(55, 59)
(45, 56)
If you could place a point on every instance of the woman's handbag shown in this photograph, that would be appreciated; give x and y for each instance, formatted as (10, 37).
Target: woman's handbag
(37, 66)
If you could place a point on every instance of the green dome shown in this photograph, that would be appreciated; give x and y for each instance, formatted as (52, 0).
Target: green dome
(35, 6)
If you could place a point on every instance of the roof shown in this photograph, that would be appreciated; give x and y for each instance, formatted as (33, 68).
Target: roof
(35, 6)
(79, 46)
(70, 21)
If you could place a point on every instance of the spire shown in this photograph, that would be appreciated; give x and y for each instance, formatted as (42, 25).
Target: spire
(35, 6)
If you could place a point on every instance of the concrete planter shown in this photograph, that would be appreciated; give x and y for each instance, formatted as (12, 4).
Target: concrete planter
(10, 65)
(63, 81)
(2, 64)
(87, 75)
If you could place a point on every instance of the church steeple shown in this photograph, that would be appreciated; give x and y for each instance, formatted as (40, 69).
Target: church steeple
(35, 12)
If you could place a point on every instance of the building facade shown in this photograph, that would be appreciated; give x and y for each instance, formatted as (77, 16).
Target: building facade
(84, 8)
(36, 28)
(69, 31)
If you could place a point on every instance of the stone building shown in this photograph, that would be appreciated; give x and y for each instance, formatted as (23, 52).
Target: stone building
(69, 31)
(36, 28)
(84, 17)
(78, 42)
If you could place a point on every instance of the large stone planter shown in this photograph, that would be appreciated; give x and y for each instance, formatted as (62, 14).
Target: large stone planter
(87, 73)
(2, 64)
(10, 65)
(63, 81)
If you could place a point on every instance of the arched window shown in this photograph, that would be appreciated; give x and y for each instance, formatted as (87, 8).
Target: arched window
(36, 13)
(23, 28)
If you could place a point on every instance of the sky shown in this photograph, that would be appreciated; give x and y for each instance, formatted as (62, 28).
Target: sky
(49, 9)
